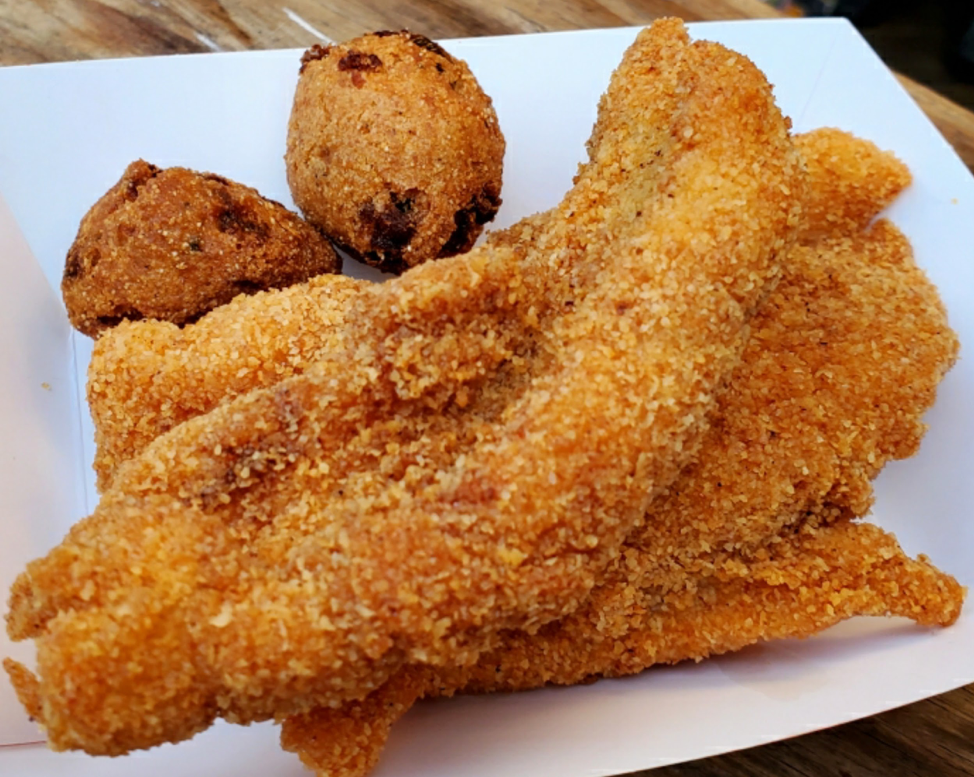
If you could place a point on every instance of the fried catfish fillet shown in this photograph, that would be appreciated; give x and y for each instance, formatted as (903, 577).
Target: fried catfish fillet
(469, 462)
(754, 540)
(145, 377)
(802, 585)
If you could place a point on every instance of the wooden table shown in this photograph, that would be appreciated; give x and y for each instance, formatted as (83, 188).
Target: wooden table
(933, 738)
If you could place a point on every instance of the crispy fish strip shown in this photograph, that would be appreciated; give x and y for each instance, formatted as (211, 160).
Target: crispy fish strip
(803, 585)
(293, 547)
(148, 376)
(752, 542)
(851, 180)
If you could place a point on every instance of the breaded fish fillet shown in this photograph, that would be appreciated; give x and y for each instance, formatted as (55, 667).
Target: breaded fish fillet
(753, 541)
(298, 545)
(280, 334)
(802, 585)
(145, 377)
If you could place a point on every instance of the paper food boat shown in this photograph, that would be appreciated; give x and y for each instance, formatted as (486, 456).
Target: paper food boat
(68, 130)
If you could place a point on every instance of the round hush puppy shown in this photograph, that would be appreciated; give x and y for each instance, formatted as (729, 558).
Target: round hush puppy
(173, 244)
(393, 150)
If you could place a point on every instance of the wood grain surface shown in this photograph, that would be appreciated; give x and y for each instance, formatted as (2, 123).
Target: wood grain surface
(55, 30)
(933, 738)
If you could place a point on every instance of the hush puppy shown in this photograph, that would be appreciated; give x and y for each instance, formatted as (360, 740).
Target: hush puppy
(173, 244)
(394, 150)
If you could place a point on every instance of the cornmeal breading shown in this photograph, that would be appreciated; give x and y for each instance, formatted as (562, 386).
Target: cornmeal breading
(753, 541)
(803, 585)
(466, 464)
(145, 377)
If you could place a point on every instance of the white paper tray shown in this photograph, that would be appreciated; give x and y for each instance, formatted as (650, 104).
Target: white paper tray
(68, 130)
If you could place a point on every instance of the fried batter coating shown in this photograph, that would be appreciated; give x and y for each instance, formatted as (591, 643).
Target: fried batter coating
(853, 181)
(348, 741)
(804, 584)
(173, 244)
(145, 377)
(466, 464)
(393, 149)
(752, 542)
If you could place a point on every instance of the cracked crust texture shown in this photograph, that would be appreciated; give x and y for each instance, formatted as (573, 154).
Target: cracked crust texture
(146, 377)
(393, 149)
(173, 244)
(696, 603)
(802, 585)
(754, 540)
(466, 464)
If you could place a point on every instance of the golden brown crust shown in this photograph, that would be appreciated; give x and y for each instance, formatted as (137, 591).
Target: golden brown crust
(803, 585)
(752, 542)
(816, 407)
(350, 739)
(394, 150)
(297, 545)
(146, 377)
(173, 244)
(856, 174)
